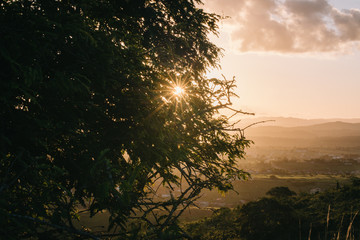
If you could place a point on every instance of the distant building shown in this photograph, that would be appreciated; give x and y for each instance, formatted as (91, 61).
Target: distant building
(315, 190)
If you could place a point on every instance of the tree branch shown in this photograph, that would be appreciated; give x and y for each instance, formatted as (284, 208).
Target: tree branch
(65, 228)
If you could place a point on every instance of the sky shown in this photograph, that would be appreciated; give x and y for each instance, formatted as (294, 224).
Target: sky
(291, 58)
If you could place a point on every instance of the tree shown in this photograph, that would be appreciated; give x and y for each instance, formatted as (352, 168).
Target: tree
(280, 192)
(267, 218)
(221, 225)
(90, 120)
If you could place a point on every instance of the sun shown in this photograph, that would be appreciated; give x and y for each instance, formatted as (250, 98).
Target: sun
(178, 91)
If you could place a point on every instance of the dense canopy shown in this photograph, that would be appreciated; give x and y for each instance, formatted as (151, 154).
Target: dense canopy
(89, 119)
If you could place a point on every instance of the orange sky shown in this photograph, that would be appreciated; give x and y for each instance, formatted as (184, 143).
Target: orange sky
(297, 58)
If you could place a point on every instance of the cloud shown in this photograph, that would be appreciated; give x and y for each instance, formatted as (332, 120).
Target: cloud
(289, 26)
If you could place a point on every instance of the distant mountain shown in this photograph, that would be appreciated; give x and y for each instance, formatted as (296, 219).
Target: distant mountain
(290, 122)
(329, 134)
(331, 129)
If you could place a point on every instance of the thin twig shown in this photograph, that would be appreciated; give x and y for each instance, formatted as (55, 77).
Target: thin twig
(350, 225)
(339, 231)
(257, 123)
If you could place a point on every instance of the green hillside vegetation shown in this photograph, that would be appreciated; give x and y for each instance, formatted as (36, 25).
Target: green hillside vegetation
(283, 215)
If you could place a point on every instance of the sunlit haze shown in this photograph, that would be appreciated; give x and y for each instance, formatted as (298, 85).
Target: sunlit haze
(291, 58)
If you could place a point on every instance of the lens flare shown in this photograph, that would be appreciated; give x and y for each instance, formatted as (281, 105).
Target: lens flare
(178, 90)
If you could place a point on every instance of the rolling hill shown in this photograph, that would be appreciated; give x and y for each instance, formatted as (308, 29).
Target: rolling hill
(329, 134)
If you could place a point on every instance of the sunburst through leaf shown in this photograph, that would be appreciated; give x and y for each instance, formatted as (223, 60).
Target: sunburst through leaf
(178, 90)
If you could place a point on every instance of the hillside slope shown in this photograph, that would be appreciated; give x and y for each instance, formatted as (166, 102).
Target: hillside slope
(331, 134)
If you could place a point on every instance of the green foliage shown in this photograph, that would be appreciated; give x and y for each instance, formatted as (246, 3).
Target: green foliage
(328, 215)
(280, 192)
(267, 218)
(89, 120)
(221, 225)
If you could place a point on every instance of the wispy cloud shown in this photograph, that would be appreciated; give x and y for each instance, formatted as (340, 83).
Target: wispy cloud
(289, 26)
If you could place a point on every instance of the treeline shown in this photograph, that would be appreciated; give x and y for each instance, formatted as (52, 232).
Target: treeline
(284, 215)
